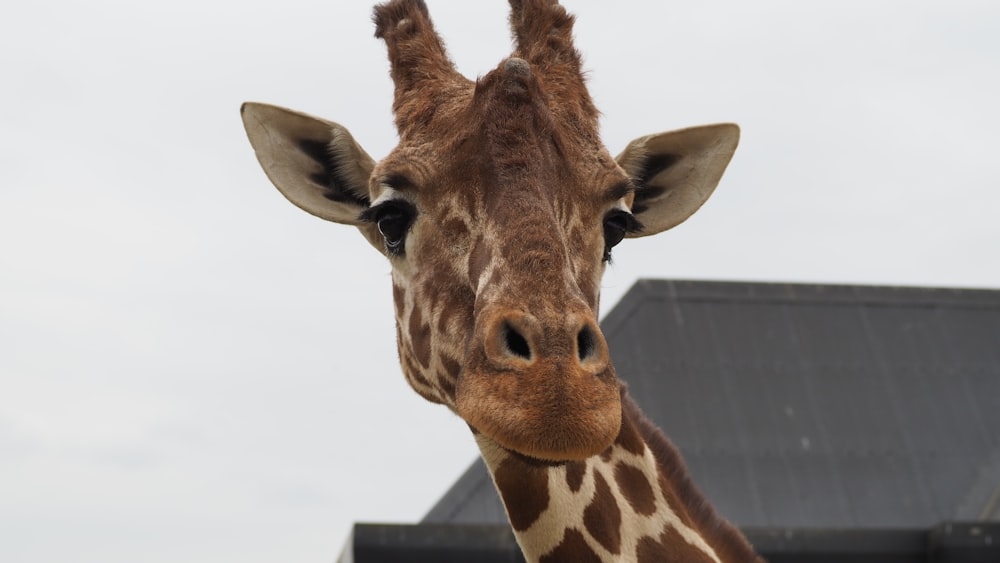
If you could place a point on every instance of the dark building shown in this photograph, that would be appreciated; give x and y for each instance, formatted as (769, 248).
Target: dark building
(828, 422)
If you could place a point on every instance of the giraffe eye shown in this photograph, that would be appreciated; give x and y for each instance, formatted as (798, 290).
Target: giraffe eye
(393, 219)
(617, 224)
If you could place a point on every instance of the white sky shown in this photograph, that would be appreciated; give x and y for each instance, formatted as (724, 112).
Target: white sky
(191, 369)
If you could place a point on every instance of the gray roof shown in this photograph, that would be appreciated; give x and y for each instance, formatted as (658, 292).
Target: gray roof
(810, 405)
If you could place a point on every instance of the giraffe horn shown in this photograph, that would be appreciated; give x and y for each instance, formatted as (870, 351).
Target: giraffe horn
(543, 34)
(416, 52)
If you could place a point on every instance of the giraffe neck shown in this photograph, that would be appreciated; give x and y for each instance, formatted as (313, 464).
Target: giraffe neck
(634, 502)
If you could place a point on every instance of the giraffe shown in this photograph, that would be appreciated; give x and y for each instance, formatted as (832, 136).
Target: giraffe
(497, 212)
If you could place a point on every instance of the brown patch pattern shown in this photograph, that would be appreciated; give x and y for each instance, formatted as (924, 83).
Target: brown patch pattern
(420, 338)
(672, 496)
(447, 385)
(637, 490)
(603, 518)
(480, 257)
(572, 549)
(525, 492)
(574, 474)
(451, 366)
(454, 313)
(628, 436)
(416, 379)
(399, 300)
(670, 547)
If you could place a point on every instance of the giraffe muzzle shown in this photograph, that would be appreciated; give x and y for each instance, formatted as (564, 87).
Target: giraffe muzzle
(541, 386)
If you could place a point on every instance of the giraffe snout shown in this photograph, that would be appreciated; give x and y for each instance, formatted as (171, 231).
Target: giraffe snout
(518, 340)
(542, 386)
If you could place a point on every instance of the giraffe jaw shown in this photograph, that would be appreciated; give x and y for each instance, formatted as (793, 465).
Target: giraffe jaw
(558, 424)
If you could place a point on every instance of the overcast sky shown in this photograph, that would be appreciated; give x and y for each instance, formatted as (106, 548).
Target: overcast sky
(192, 369)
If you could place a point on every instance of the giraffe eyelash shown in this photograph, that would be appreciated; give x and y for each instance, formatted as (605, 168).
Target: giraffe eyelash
(394, 218)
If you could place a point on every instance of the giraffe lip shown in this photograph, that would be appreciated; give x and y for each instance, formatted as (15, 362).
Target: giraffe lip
(540, 453)
(534, 461)
(570, 419)
(524, 458)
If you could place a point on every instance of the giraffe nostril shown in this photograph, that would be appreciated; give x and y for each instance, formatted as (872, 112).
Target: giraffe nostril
(516, 344)
(585, 343)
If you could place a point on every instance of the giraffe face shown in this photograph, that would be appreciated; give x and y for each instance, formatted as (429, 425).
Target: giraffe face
(498, 211)
(498, 233)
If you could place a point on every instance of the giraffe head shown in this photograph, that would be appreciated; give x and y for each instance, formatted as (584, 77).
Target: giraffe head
(497, 211)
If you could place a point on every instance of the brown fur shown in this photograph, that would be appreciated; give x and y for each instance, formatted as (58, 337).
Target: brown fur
(500, 150)
(573, 548)
(521, 141)
(496, 203)
(602, 518)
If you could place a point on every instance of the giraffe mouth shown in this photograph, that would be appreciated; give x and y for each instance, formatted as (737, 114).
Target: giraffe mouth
(542, 425)
(534, 461)
(540, 385)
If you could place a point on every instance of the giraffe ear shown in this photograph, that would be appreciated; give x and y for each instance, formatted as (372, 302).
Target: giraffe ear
(314, 163)
(676, 172)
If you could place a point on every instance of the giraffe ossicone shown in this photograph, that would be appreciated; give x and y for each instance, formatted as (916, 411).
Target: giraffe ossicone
(498, 211)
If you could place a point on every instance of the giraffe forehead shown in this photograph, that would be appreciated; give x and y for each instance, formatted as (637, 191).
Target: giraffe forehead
(501, 133)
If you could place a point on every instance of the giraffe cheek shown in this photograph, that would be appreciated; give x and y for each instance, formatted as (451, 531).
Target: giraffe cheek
(420, 338)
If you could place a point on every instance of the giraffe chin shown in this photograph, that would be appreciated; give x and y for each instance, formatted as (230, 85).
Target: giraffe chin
(536, 432)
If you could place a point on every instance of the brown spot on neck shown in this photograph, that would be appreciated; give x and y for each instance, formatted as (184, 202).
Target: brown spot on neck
(574, 474)
(525, 492)
(603, 518)
(629, 437)
(637, 489)
(573, 548)
(670, 547)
